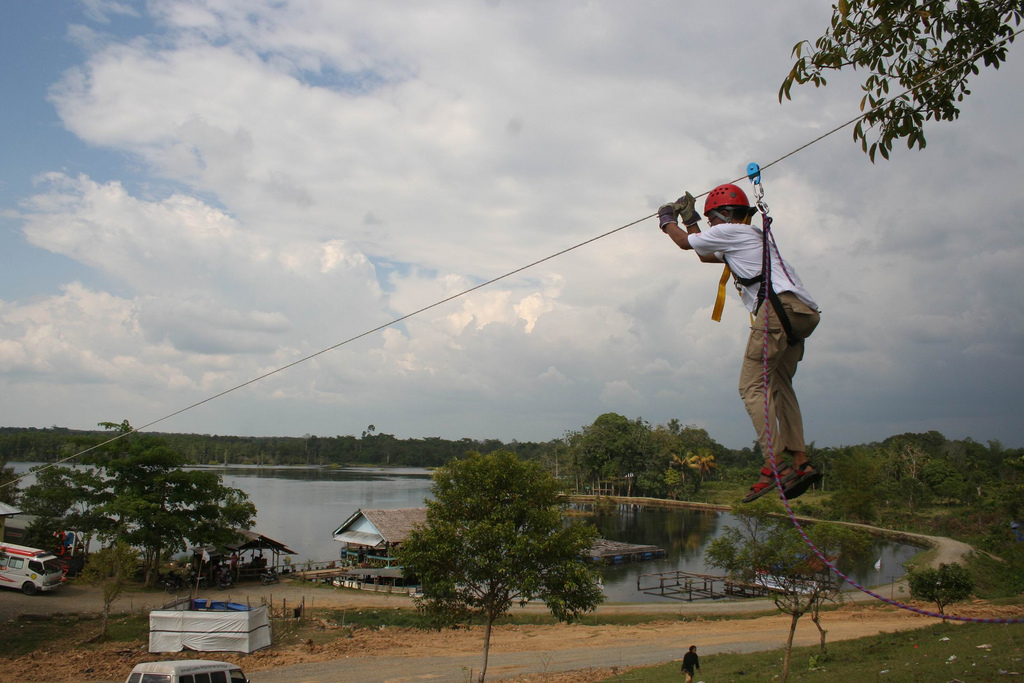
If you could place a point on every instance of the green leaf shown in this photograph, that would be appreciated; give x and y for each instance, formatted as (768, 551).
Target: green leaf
(901, 44)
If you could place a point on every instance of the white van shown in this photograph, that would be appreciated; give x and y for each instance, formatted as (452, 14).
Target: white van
(187, 671)
(29, 569)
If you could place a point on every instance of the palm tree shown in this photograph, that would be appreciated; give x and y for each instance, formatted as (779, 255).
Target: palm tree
(685, 462)
(704, 462)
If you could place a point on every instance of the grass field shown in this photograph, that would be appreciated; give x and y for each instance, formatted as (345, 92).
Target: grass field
(935, 654)
(22, 637)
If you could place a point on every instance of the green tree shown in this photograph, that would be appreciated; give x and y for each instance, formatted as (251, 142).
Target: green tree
(613, 448)
(765, 548)
(673, 482)
(8, 482)
(947, 584)
(903, 463)
(856, 473)
(944, 479)
(901, 45)
(65, 498)
(494, 536)
(136, 490)
(112, 568)
(159, 506)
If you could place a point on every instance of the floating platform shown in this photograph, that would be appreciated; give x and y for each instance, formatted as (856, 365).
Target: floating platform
(680, 585)
(617, 552)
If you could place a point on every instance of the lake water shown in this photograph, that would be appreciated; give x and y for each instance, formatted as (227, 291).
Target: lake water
(301, 507)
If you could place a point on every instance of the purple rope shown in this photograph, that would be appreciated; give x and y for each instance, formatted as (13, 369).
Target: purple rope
(775, 469)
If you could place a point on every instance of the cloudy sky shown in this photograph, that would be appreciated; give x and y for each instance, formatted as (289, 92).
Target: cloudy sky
(195, 192)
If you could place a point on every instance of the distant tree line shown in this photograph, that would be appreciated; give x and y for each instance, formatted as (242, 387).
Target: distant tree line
(370, 448)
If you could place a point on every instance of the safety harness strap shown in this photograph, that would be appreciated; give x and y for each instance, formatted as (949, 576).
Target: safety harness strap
(766, 292)
(716, 314)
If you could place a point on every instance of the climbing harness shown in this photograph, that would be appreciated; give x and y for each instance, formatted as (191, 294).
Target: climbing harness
(764, 289)
(754, 174)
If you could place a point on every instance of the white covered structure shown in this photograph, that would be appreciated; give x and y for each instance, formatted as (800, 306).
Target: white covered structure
(209, 630)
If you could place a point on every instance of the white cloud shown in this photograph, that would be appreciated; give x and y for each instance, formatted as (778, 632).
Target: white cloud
(298, 172)
(98, 10)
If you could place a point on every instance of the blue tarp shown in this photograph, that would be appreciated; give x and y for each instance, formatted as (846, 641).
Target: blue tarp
(218, 605)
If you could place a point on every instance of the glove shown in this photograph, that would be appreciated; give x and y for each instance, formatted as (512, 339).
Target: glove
(686, 209)
(667, 214)
(683, 209)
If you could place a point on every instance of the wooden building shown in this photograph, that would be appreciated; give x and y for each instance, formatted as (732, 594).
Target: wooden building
(370, 537)
(250, 550)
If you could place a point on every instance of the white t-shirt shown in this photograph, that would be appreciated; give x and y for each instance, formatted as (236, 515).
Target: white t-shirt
(740, 246)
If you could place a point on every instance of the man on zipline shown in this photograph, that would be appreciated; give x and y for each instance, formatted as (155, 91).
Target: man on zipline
(792, 316)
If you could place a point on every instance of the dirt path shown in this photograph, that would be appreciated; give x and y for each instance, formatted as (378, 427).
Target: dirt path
(530, 650)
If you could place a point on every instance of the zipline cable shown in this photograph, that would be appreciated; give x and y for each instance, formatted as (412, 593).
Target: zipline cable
(498, 278)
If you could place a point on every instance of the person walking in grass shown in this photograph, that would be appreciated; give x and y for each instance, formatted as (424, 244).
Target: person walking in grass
(791, 313)
(691, 663)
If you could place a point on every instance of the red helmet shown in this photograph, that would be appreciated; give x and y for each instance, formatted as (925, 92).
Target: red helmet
(725, 195)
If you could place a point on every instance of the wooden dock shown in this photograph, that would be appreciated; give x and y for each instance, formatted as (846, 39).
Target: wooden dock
(320, 575)
(680, 585)
(616, 552)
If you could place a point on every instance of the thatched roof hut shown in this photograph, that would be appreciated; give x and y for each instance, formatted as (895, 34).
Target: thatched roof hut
(380, 529)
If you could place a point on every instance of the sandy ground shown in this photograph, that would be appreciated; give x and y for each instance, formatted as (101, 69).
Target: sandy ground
(561, 653)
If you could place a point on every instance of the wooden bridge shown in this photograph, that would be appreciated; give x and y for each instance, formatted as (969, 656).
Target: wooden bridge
(680, 585)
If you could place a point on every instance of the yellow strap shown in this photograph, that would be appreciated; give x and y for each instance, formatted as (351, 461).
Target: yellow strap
(716, 314)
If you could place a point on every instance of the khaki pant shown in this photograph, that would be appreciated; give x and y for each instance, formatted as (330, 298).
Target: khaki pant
(783, 408)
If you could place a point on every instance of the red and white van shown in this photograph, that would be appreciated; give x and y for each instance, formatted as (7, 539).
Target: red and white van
(29, 570)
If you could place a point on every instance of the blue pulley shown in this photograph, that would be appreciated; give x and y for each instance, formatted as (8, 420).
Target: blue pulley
(754, 172)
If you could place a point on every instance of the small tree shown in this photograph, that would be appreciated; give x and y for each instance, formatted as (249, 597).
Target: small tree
(947, 584)
(112, 568)
(673, 482)
(766, 549)
(494, 536)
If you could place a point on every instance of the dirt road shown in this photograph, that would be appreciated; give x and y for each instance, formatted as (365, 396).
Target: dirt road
(520, 651)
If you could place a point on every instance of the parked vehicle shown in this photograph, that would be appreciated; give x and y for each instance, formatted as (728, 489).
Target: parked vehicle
(187, 671)
(29, 569)
(173, 583)
(224, 577)
(197, 580)
(268, 576)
